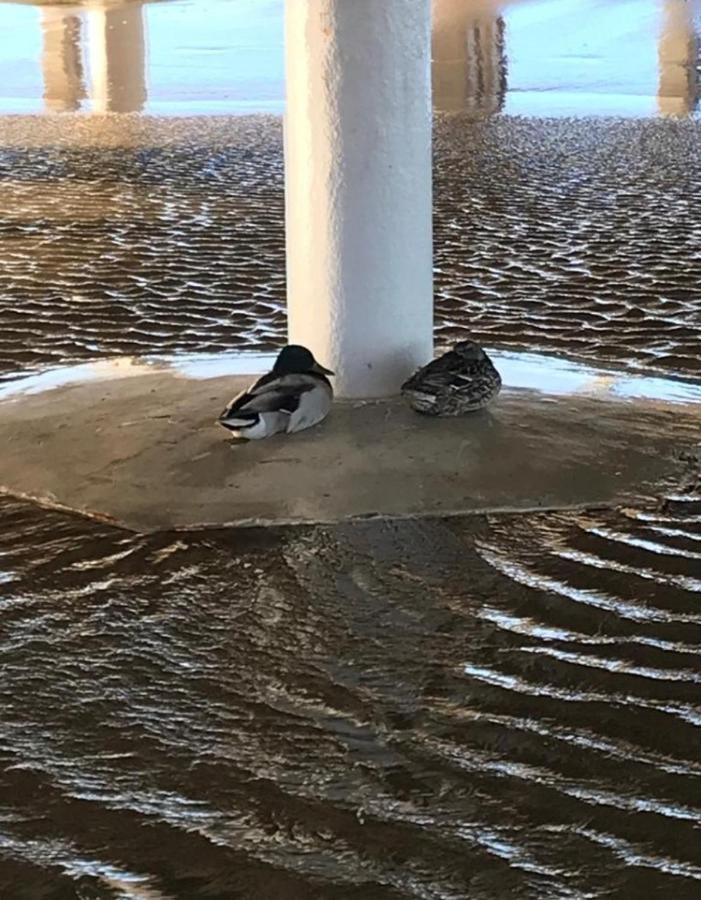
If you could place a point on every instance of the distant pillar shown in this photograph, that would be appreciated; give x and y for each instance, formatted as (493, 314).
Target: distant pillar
(469, 58)
(358, 188)
(678, 54)
(61, 62)
(117, 57)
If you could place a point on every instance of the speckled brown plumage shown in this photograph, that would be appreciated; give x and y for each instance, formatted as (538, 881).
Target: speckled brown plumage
(461, 381)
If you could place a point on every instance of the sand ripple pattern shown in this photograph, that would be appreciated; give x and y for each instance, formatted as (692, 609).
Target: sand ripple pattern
(435, 710)
(578, 237)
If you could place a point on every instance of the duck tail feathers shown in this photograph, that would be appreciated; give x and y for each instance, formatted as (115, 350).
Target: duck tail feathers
(237, 421)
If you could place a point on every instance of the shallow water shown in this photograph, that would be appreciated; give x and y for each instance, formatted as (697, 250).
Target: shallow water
(570, 236)
(548, 375)
(380, 711)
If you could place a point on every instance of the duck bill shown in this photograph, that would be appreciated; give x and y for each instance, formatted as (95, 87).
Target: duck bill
(321, 370)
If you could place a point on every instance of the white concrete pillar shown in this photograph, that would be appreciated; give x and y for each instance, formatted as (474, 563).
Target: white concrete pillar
(117, 57)
(469, 59)
(61, 59)
(678, 55)
(358, 188)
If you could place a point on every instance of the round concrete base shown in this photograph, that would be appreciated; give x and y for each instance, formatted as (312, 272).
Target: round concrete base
(145, 452)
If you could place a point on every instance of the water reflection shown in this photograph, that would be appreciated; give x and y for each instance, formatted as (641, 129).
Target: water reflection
(382, 711)
(112, 39)
(546, 375)
(678, 54)
(117, 57)
(61, 58)
(469, 58)
(633, 58)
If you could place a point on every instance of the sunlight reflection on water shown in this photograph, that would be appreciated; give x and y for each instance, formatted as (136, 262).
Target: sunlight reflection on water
(529, 371)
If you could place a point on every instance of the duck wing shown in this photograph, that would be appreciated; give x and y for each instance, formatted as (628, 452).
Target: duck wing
(271, 393)
(479, 382)
(437, 375)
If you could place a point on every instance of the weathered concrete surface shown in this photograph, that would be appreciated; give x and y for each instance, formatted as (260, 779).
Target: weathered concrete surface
(145, 452)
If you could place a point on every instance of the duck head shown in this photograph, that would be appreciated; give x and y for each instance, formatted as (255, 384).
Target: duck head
(297, 360)
(469, 350)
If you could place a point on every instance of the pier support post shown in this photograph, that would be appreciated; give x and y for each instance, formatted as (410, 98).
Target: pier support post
(358, 188)
(117, 57)
(469, 58)
(61, 62)
(678, 54)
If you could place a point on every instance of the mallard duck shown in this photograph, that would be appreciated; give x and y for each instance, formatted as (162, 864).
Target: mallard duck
(295, 395)
(460, 381)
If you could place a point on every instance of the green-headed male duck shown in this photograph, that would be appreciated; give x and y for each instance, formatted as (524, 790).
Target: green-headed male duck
(295, 395)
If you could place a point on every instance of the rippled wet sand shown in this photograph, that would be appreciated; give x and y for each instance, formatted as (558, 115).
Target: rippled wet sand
(578, 237)
(486, 708)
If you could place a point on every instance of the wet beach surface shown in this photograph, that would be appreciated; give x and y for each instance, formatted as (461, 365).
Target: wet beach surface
(485, 708)
(493, 707)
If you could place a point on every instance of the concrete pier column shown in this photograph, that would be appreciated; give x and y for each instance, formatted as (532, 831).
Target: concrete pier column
(358, 188)
(117, 57)
(678, 55)
(469, 58)
(61, 61)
